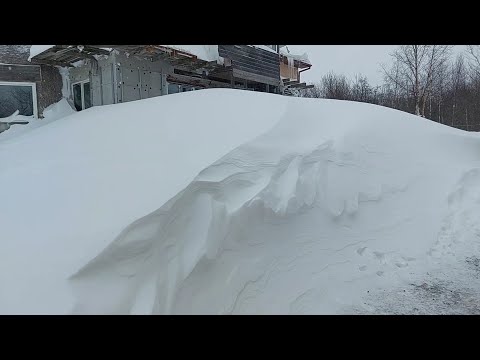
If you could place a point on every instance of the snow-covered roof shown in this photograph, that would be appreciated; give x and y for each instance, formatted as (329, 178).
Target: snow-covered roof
(37, 49)
(303, 58)
(203, 52)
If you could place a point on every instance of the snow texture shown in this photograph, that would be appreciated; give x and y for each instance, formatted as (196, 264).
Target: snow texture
(52, 113)
(179, 205)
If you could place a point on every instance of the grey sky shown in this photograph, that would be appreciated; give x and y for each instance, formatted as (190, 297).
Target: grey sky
(347, 59)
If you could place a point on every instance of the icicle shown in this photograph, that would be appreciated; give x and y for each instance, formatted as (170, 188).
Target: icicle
(291, 67)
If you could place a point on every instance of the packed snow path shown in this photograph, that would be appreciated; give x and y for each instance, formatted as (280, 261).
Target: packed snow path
(314, 206)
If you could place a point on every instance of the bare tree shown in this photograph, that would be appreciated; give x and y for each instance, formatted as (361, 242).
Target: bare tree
(422, 80)
(335, 87)
(414, 70)
(314, 92)
(361, 90)
(473, 54)
(458, 82)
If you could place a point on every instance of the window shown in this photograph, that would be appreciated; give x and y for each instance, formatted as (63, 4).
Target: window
(173, 88)
(176, 88)
(18, 96)
(81, 95)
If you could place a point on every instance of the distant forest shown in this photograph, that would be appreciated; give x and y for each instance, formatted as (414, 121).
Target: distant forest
(426, 80)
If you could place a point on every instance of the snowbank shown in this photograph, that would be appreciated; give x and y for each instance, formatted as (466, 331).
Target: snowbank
(37, 49)
(75, 184)
(52, 113)
(177, 204)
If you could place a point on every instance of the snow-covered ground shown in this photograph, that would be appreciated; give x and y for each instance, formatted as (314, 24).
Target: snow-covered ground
(229, 202)
(51, 113)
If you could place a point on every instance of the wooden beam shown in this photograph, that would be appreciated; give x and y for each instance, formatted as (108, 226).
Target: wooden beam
(30, 73)
(254, 77)
(290, 82)
(194, 81)
(96, 50)
(51, 62)
(57, 54)
(297, 85)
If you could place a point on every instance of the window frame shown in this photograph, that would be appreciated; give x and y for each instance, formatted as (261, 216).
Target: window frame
(34, 93)
(82, 92)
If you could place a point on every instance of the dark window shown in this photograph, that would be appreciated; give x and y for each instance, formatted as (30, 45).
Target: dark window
(16, 97)
(81, 96)
(86, 96)
(77, 97)
(173, 88)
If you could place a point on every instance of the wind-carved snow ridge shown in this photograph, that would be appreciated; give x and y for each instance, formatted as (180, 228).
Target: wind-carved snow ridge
(276, 176)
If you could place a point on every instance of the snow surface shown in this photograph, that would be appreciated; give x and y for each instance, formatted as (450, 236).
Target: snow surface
(52, 113)
(37, 49)
(178, 204)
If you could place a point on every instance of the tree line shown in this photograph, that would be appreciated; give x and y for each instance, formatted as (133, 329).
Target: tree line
(425, 80)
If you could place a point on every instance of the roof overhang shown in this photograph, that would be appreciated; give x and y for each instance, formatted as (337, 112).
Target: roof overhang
(67, 55)
(297, 62)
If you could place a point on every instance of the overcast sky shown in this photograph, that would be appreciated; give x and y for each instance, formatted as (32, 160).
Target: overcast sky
(347, 59)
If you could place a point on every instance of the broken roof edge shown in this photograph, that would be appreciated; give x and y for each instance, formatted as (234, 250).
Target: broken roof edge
(38, 49)
(303, 60)
(50, 53)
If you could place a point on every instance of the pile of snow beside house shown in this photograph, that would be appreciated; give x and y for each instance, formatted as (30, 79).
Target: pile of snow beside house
(52, 113)
(69, 188)
(225, 201)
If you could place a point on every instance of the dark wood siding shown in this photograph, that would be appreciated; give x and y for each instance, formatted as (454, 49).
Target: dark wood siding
(15, 67)
(254, 61)
(14, 54)
(20, 73)
(49, 89)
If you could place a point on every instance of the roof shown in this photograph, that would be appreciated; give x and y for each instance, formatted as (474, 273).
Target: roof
(301, 61)
(67, 55)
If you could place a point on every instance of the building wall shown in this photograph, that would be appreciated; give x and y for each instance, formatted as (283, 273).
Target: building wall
(14, 54)
(14, 66)
(49, 89)
(288, 72)
(139, 78)
(117, 78)
(252, 64)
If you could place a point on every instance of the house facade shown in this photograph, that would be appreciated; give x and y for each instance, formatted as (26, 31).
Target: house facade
(25, 86)
(94, 75)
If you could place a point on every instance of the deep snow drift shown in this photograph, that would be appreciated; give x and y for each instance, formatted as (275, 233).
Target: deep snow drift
(52, 113)
(227, 201)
